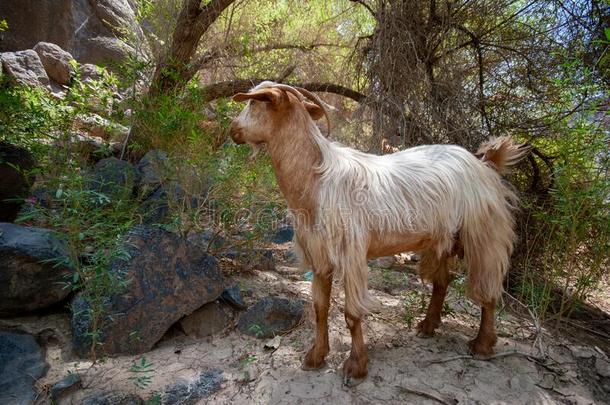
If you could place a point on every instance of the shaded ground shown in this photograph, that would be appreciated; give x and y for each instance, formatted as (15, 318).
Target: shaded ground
(403, 367)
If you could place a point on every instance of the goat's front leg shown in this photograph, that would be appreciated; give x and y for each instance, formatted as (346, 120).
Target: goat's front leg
(321, 287)
(486, 338)
(356, 365)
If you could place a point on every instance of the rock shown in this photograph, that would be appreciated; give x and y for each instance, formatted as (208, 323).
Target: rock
(65, 386)
(602, 366)
(190, 392)
(232, 296)
(33, 269)
(271, 316)
(56, 62)
(206, 321)
(25, 67)
(153, 170)
(291, 257)
(168, 279)
(21, 364)
(113, 177)
(284, 234)
(208, 240)
(15, 180)
(87, 29)
(112, 398)
(100, 127)
(90, 72)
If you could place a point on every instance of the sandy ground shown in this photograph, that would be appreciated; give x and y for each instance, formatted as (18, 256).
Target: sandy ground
(403, 368)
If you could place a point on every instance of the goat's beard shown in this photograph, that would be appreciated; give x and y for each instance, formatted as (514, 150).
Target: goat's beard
(256, 148)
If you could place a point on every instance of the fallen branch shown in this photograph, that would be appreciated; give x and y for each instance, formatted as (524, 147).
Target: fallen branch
(425, 395)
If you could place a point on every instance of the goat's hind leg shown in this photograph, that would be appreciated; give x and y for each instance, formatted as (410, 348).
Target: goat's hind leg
(486, 338)
(436, 270)
(321, 288)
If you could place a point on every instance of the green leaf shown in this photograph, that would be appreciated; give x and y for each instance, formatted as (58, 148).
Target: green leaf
(607, 32)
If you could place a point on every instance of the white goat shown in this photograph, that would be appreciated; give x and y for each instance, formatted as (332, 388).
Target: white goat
(349, 206)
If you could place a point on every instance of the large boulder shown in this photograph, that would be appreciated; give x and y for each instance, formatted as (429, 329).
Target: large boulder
(56, 62)
(33, 269)
(21, 364)
(87, 29)
(271, 316)
(15, 179)
(167, 277)
(25, 67)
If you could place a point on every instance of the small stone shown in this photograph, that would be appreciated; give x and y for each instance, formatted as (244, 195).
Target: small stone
(232, 296)
(602, 367)
(273, 344)
(190, 392)
(65, 386)
(271, 316)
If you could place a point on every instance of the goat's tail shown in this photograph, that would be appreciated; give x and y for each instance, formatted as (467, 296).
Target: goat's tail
(501, 153)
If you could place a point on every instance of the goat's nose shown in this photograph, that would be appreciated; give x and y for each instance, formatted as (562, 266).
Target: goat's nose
(236, 133)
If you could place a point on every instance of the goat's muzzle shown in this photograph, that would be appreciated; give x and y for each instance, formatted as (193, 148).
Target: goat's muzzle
(236, 134)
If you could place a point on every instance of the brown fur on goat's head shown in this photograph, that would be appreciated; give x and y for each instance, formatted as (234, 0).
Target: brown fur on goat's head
(270, 109)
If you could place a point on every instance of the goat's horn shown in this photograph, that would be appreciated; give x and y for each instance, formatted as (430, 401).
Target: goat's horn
(301, 93)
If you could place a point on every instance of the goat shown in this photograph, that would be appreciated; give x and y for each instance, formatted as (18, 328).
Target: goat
(349, 206)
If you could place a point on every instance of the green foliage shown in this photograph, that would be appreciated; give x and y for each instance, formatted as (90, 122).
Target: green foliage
(414, 305)
(142, 373)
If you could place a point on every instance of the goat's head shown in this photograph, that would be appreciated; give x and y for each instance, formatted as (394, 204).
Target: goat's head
(272, 107)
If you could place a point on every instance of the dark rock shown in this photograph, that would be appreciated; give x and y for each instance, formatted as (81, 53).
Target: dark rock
(25, 67)
(190, 392)
(208, 240)
(291, 257)
(112, 398)
(21, 364)
(271, 316)
(56, 62)
(232, 296)
(260, 259)
(86, 29)
(66, 386)
(284, 234)
(152, 170)
(114, 178)
(168, 279)
(15, 181)
(206, 321)
(33, 269)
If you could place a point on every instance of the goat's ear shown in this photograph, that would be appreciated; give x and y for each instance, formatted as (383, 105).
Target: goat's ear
(268, 95)
(314, 110)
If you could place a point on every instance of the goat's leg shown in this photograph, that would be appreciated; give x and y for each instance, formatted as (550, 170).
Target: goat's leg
(321, 287)
(486, 339)
(436, 270)
(356, 365)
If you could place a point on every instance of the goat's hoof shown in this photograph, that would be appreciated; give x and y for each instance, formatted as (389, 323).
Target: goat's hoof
(313, 361)
(351, 382)
(426, 328)
(355, 371)
(482, 345)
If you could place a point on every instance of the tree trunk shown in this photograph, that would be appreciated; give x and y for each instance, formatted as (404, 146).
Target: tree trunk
(172, 71)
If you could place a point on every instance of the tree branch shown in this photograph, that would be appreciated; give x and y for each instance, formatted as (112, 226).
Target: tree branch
(228, 88)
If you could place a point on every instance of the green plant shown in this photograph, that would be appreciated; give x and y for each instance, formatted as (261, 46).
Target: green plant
(414, 305)
(142, 373)
(256, 329)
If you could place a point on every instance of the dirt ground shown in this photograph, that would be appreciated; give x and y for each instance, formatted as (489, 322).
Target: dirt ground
(529, 367)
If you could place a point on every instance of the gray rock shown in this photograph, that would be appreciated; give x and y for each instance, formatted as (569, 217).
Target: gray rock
(90, 72)
(283, 234)
(100, 127)
(15, 180)
(21, 364)
(153, 170)
(113, 177)
(271, 316)
(25, 67)
(602, 366)
(232, 296)
(112, 398)
(190, 392)
(33, 269)
(168, 279)
(66, 386)
(87, 29)
(206, 321)
(56, 62)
